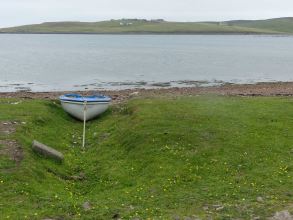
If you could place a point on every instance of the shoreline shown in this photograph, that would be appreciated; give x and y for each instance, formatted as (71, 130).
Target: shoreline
(153, 33)
(259, 89)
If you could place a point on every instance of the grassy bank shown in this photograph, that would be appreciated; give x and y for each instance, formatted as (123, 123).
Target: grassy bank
(152, 159)
(135, 26)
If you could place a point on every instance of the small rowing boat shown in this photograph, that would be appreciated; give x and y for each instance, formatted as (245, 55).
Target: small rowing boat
(84, 107)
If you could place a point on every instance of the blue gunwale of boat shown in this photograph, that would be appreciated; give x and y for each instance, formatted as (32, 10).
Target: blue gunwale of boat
(80, 98)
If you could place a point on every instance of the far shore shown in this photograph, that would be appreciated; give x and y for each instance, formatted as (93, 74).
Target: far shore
(153, 33)
(259, 89)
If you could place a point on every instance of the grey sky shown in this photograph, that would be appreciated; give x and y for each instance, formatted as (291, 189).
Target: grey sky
(18, 12)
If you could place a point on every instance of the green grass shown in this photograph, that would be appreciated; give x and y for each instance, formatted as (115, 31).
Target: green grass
(141, 26)
(153, 158)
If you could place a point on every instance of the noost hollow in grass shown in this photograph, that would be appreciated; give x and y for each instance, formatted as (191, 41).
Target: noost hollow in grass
(155, 158)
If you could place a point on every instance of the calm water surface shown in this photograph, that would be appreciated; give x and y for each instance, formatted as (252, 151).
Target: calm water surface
(78, 62)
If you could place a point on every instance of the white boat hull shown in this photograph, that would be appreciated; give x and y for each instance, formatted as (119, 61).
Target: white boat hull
(76, 109)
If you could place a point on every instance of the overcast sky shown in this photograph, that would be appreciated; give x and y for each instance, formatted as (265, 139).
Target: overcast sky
(18, 12)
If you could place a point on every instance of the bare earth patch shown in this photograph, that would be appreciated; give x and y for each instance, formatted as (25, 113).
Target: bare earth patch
(7, 127)
(12, 149)
(9, 147)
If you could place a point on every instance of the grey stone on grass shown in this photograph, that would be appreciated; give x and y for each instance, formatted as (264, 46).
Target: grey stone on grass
(86, 206)
(282, 215)
(259, 199)
(47, 151)
(176, 217)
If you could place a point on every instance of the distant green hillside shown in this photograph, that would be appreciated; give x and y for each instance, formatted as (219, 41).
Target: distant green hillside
(140, 26)
(278, 24)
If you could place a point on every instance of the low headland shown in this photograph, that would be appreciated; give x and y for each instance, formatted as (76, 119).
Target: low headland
(275, 26)
(180, 153)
